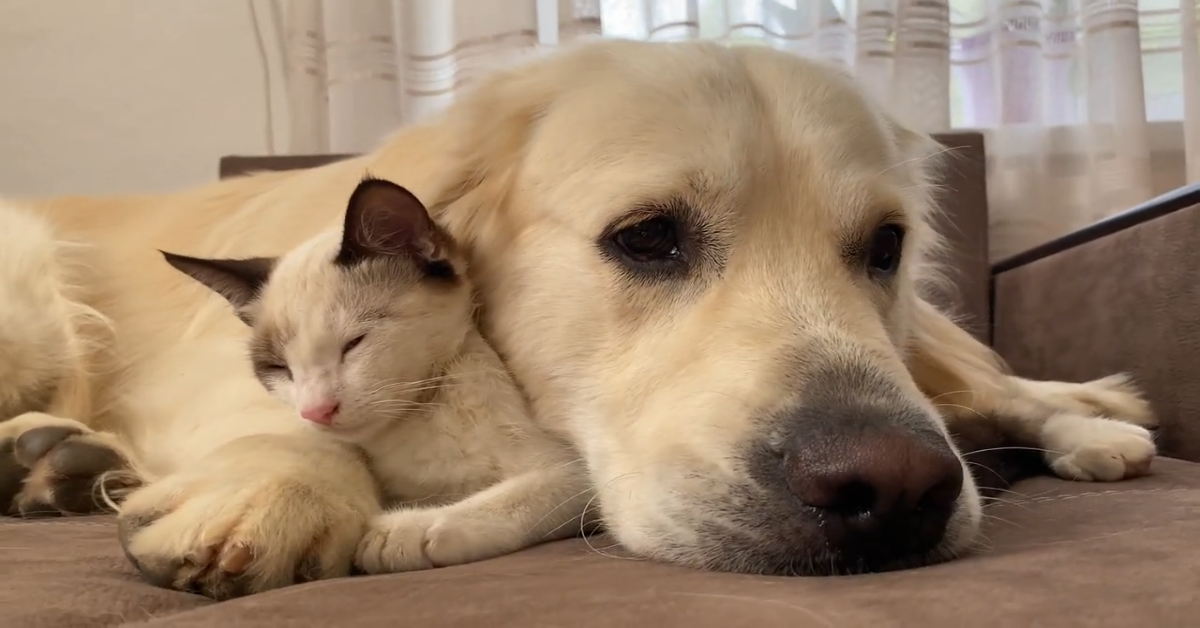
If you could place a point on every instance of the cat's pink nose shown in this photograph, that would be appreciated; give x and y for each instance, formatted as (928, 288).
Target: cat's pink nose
(321, 412)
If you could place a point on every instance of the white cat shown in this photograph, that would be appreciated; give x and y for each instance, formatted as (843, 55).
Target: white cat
(370, 335)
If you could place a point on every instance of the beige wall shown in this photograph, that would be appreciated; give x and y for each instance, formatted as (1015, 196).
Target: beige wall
(108, 96)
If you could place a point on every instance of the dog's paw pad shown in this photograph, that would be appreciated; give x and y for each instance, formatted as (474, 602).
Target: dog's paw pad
(32, 445)
(64, 466)
(1097, 450)
(12, 478)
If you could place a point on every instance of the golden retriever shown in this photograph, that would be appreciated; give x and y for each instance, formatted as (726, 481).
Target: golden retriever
(706, 267)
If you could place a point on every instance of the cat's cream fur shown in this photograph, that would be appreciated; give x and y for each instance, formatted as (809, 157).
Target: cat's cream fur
(465, 472)
(659, 387)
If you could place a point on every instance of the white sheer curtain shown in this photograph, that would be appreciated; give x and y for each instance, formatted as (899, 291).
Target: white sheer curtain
(1090, 106)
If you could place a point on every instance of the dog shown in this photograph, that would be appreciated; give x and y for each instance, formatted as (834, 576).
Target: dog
(708, 268)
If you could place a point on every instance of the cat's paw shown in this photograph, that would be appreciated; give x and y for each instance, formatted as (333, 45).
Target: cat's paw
(51, 466)
(234, 529)
(411, 540)
(1094, 449)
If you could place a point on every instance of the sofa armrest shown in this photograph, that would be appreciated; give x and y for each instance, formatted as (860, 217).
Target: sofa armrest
(1120, 295)
(241, 165)
(964, 224)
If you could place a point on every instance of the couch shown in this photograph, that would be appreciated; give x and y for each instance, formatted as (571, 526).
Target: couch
(1120, 295)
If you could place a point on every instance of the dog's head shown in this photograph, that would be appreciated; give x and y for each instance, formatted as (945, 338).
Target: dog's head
(703, 266)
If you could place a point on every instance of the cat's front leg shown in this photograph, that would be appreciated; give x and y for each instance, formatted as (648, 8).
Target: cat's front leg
(258, 513)
(537, 506)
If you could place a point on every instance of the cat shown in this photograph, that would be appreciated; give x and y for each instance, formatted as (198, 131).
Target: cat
(370, 335)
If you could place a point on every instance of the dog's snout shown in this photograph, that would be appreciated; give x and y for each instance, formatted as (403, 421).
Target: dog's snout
(878, 490)
(874, 474)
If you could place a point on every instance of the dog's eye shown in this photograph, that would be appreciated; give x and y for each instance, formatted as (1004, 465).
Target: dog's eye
(883, 255)
(649, 240)
(353, 343)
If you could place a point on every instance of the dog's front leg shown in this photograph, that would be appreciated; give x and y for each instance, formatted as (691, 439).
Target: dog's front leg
(536, 506)
(1012, 427)
(257, 513)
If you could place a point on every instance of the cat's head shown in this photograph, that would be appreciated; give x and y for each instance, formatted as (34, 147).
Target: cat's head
(351, 327)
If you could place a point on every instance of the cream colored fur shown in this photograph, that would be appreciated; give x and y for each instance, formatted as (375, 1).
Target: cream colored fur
(656, 388)
(483, 479)
(463, 470)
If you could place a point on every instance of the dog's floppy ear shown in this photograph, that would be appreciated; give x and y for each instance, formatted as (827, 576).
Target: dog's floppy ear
(474, 147)
(237, 280)
(386, 220)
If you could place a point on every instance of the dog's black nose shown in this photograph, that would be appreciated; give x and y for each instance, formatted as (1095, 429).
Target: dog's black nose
(878, 491)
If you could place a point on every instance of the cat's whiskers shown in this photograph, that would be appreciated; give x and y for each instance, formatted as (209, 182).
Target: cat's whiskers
(404, 402)
(445, 377)
(421, 385)
(398, 389)
(394, 408)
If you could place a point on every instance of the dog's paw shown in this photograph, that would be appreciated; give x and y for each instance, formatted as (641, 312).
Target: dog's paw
(227, 533)
(410, 540)
(1096, 450)
(51, 466)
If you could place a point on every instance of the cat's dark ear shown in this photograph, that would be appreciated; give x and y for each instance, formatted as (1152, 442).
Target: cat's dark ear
(384, 219)
(238, 280)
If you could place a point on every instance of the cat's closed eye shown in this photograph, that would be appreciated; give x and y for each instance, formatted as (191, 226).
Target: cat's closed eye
(279, 370)
(353, 343)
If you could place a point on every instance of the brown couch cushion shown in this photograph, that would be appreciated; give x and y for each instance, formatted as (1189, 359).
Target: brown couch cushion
(1125, 301)
(71, 572)
(1061, 554)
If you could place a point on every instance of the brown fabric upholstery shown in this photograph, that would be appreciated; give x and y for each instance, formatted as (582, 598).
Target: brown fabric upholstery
(963, 198)
(965, 225)
(239, 165)
(1062, 554)
(1127, 301)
